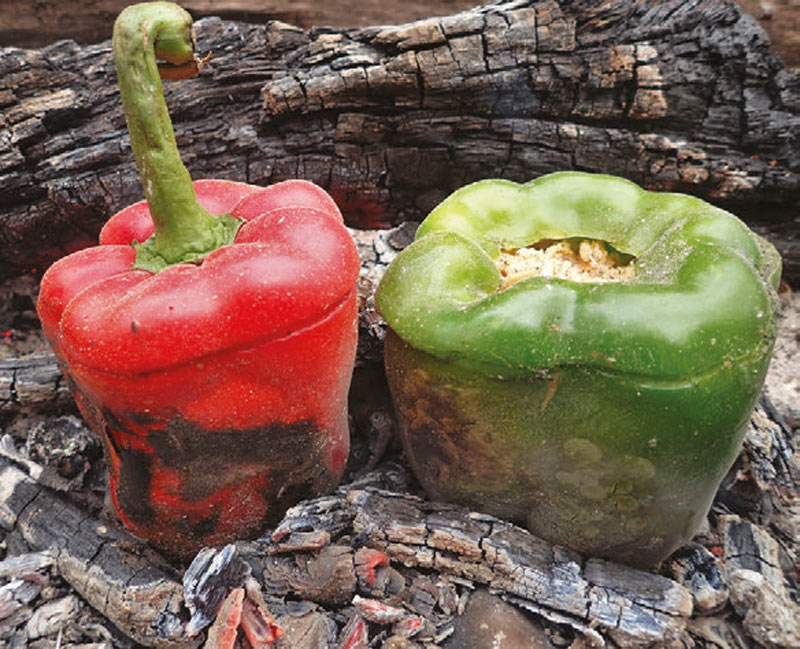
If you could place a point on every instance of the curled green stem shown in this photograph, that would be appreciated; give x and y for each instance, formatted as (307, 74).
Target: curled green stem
(184, 230)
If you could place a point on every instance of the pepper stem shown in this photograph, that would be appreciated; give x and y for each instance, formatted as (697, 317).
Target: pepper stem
(184, 230)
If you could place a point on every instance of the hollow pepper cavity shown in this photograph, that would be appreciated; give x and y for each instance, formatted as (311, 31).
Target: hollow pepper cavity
(213, 358)
(601, 415)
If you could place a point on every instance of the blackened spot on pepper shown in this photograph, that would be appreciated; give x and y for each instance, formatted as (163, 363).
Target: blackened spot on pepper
(291, 455)
(135, 473)
(115, 423)
(182, 442)
(108, 438)
(284, 462)
(133, 485)
(199, 529)
(437, 431)
(144, 419)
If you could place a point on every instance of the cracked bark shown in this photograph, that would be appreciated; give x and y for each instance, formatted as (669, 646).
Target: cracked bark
(88, 21)
(673, 95)
(33, 382)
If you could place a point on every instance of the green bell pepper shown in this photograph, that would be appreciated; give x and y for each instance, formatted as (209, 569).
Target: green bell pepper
(602, 416)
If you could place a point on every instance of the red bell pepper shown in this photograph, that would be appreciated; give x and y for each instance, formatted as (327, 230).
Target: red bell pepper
(213, 359)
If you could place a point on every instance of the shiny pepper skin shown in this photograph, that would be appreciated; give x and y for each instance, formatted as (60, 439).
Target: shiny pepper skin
(219, 388)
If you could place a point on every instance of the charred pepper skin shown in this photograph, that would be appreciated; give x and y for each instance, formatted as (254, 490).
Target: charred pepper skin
(217, 378)
(601, 416)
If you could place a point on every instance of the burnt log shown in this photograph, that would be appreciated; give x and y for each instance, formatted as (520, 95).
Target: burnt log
(675, 95)
(89, 21)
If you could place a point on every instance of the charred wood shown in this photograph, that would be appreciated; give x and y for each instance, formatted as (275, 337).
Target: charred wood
(33, 382)
(673, 95)
(89, 21)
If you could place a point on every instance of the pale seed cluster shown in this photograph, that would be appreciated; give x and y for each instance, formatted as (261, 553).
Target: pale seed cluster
(583, 261)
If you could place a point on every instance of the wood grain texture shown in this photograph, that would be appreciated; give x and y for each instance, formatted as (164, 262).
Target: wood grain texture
(34, 383)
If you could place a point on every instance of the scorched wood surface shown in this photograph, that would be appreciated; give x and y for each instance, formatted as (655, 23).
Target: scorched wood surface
(673, 95)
